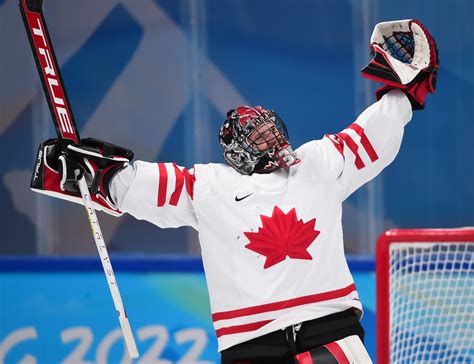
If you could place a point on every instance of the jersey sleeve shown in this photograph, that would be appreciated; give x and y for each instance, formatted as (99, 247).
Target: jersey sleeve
(363, 149)
(161, 193)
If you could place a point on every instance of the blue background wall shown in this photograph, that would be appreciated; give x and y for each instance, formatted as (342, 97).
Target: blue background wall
(158, 76)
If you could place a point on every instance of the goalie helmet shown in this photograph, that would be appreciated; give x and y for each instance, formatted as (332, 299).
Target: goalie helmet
(255, 140)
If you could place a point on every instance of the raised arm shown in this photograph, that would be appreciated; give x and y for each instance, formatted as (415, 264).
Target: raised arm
(363, 149)
(405, 60)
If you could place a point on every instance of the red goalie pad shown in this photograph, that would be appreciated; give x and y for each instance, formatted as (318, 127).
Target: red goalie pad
(344, 351)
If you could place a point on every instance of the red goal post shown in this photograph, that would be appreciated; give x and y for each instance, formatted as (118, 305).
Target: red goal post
(425, 296)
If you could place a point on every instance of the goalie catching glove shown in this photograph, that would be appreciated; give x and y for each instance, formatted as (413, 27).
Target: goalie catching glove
(405, 58)
(58, 170)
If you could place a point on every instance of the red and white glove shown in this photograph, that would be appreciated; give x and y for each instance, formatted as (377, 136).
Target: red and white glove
(405, 58)
(57, 170)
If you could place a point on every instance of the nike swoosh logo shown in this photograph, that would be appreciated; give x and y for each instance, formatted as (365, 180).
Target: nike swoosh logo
(241, 198)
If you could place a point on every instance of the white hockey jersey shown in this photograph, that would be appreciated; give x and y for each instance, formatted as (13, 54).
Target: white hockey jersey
(272, 244)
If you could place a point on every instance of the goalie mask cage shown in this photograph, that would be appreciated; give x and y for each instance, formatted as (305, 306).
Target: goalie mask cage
(425, 296)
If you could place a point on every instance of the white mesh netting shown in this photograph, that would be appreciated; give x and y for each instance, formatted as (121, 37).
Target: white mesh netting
(432, 302)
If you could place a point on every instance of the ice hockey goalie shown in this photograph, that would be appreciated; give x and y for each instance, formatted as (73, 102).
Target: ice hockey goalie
(269, 222)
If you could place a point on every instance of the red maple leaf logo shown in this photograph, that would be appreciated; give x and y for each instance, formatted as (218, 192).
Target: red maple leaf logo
(282, 235)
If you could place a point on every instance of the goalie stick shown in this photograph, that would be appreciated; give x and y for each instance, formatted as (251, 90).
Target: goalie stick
(55, 92)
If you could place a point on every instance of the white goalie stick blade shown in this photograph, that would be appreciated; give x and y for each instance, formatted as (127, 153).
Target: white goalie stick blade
(354, 350)
(403, 50)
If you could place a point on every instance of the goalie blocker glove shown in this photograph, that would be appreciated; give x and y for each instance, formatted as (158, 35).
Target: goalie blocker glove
(57, 170)
(406, 58)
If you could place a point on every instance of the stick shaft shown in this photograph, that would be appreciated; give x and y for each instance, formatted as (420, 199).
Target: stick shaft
(108, 270)
(48, 71)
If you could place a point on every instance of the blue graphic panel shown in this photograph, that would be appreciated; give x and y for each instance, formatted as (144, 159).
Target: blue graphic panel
(48, 307)
(63, 310)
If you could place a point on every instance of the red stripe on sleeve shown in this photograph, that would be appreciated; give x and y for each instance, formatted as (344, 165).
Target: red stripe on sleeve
(337, 352)
(365, 142)
(337, 142)
(162, 184)
(189, 179)
(178, 187)
(304, 358)
(354, 149)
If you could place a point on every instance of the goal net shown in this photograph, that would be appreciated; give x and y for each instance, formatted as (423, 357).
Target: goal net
(425, 296)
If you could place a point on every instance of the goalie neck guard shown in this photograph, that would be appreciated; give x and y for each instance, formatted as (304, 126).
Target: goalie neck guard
(255, 140)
